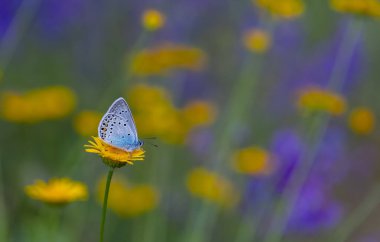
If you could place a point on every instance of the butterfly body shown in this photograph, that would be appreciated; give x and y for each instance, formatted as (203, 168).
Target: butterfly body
(117, 127)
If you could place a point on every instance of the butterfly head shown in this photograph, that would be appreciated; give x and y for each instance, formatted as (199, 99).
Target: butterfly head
(141, 143)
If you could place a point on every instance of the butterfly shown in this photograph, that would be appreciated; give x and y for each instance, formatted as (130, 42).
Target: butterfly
(117, 127)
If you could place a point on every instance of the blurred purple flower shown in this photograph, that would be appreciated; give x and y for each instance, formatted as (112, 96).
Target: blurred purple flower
(288, 40)
(314, 210)
(256, 194)
(287, 147)
(55, 18)
(8, 9)
(193, 85)
(331, 164)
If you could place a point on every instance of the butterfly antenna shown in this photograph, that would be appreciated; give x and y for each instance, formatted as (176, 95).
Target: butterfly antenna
(149, 143)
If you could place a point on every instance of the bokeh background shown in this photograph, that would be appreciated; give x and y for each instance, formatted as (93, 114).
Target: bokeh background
(264, 114)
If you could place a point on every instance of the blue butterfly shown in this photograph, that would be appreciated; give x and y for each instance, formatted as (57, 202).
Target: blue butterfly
(117, 127)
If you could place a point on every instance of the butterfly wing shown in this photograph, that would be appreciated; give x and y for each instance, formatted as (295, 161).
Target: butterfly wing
(117, 127)
(121, 108)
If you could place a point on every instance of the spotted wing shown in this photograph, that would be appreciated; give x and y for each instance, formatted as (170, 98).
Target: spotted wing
(121, 108)
(117, 131)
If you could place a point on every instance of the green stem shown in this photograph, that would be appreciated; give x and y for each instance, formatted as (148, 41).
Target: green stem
(248, 226)
(3, 214)
(105, 201)
(247, 229)
(344, 57)
(54, 217)
(365, 209)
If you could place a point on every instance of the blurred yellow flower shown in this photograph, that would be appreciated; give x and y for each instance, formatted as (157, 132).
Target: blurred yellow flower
(165, 58)
(362, 121)
(211, 187)
(113, 156)
(86, 123)
(252, 160)
(317, 99)
(155, 114)
(369, 8)
(199, 113)
(153, 19)
(128, 200)
(57, 191)
(38, 104)
(257, 40)
(142, 95)
(282, 8)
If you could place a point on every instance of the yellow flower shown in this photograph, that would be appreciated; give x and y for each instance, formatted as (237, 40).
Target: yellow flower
(57, 191)
(211, 187)
(141, 96)
(369, 8)
(257, 40)
(282, 8)
(156, 116)
(165, 58)
(153, 19)
(317, 99)
(362, 121)
(86, 123)
(38, 104)
(199, 113)
(113, 156)
(128, 200)
(252, 160)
